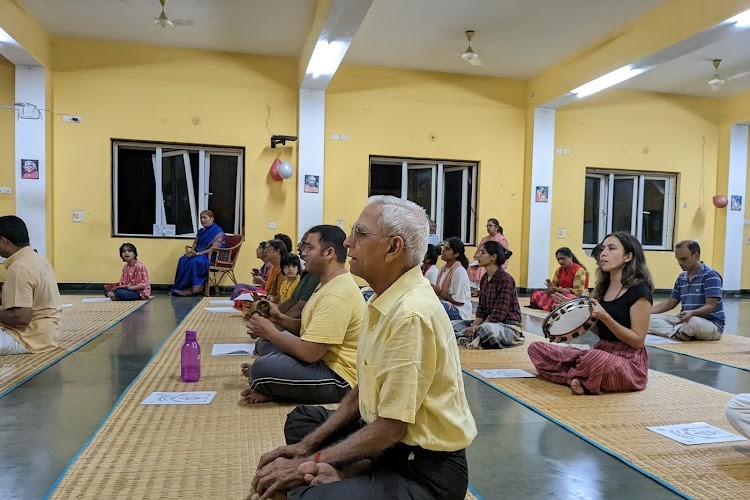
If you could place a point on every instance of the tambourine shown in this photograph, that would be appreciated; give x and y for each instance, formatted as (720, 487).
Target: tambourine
(569, 320)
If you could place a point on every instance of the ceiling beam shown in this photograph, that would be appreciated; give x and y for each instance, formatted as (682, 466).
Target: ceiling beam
(671, 30)
(331, 32)
(27, 43)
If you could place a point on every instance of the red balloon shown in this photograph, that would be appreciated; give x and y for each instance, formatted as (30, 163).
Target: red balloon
(275, 170)
(720, 201)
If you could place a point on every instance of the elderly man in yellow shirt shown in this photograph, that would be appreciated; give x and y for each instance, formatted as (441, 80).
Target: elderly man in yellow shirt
(403, 430)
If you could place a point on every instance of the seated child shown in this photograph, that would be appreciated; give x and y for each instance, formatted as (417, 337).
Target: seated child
(134, 283)
(290, 268)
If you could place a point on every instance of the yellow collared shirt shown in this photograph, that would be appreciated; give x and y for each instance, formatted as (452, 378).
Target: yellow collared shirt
(409, 369)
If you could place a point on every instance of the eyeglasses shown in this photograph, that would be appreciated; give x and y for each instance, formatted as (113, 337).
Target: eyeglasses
(357, 233)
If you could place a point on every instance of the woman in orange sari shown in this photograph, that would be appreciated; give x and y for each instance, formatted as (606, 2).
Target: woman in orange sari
(494, 233)
(571, 280)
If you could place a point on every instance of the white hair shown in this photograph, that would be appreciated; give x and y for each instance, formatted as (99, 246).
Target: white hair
(398, 217)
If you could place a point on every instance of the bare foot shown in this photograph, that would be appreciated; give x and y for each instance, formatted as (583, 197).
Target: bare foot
(576, 387)
(317, 474)
(253, 397)
(245, 367)
(111, 295)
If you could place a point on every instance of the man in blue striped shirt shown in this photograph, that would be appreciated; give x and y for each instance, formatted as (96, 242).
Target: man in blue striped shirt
(698, 288)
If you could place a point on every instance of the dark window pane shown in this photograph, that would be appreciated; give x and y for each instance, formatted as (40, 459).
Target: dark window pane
(385, 179)
(622, 205)
(452, 201)
(468, 202)
(177, 207)
(591, 211)
(419, 188)
(222, 187)
(654, 191)
(136, 204)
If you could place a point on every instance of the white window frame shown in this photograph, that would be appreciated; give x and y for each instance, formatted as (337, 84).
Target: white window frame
(606, 180)
(196, 205)
(439, 168)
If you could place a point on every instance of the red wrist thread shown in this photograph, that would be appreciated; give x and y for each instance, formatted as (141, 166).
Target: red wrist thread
(317, 458)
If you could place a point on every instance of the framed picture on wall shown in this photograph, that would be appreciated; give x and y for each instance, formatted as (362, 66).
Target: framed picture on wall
(29, 169)
(542, 194)
(312, 183)
(736, 203)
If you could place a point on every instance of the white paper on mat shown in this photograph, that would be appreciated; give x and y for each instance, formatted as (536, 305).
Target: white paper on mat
(656, 339)
(179, 398)
(245, 296)
(67, 305)
(582, 347)
(505, 373)
(221, 302)
(222, 310)
(695, 433)
(232, 349)
(96, 299)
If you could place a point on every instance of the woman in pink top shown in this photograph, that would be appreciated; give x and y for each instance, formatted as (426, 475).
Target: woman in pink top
(134, 283)
(494, 233)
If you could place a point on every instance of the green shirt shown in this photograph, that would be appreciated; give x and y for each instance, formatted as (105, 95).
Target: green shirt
(307, 285)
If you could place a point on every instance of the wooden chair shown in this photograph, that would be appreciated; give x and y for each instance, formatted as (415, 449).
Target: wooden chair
(222, 262)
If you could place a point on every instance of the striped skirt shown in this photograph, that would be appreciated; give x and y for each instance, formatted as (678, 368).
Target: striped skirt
(607, 367)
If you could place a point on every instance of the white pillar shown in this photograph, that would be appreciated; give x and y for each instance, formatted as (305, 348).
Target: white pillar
(540, 215)
(735, 218)
(312, 119)
(31, 193)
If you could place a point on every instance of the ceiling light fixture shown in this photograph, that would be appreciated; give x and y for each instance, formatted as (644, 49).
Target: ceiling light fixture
(326, 57)
(741, 20)
(605, 81)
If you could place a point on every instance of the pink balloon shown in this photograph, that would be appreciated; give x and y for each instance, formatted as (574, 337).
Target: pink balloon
(275, 170)
(720, 201)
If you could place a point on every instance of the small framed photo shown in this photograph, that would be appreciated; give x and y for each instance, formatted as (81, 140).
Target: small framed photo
(736, 203)
(312, 184)
(542, 194)
(29, 169)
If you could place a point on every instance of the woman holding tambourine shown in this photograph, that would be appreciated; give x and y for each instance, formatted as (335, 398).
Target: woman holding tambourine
(621, 304)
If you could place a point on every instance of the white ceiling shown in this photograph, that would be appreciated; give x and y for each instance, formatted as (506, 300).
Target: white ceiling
(514, 38)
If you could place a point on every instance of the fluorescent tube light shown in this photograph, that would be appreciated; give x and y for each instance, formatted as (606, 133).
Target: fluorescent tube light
(6, 38)
(606, 81)
(326, 57)
(741, 20)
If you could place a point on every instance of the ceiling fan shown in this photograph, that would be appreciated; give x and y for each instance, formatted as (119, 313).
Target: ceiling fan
(717, 81)
(164, 22)
(469, 55)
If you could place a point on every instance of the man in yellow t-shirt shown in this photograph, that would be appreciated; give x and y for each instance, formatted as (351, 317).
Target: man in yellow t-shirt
(313, 359)
(403, 431)
(31, 308)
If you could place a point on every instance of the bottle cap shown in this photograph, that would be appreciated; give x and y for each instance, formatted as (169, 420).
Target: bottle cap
(190, 335)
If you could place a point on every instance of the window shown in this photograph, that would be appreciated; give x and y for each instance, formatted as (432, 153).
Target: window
(445, 189)
(159, 189)
(642, 204)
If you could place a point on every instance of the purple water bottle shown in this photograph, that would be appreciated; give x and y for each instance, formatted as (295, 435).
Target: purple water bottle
(190, 358)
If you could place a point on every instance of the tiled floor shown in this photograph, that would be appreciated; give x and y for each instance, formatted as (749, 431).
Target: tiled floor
(518, 454)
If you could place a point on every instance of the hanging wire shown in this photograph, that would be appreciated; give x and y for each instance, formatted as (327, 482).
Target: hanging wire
(701, 192)
(30, 107)
(268, 120)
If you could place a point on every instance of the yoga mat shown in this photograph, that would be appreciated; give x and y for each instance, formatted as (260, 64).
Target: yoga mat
(172, 451)
(80, 324)
(616, 423)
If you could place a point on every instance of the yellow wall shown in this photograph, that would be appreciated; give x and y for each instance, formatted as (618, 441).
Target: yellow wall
(610, 131)
(393, 113)
(7, 136)
(151, 93)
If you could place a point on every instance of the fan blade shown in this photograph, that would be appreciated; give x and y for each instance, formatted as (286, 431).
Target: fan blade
(737, 76)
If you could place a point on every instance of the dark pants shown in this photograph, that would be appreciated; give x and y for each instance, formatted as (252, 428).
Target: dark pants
(125, 294)
(400, 472)
(286, 378)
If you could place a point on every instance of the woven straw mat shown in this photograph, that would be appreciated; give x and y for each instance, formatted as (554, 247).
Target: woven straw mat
(618, 422)
(80, 323)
